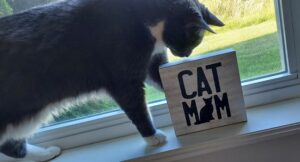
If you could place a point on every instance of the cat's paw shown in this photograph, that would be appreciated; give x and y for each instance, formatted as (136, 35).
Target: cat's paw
(157, 139)
(53, 151)
(39, 154)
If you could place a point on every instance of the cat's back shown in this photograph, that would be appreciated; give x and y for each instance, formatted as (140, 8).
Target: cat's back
(33, 24)
(44, 24)
(84, 32)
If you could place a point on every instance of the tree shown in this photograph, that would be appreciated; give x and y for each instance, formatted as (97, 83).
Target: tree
(5, 8)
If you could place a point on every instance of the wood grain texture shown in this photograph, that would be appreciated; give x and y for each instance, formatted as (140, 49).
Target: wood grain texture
(217, 67)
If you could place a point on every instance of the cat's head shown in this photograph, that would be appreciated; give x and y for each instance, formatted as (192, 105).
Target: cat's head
(185, 25)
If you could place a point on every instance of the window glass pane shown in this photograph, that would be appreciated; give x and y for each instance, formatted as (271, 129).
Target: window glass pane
(8, 7)
(251, 29)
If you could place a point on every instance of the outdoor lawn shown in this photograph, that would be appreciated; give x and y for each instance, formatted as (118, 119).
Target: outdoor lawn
(250, 29)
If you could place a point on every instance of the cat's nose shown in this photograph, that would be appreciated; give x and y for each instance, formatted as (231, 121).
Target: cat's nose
(187, 53)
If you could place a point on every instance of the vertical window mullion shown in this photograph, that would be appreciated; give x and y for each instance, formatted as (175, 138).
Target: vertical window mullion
(281, 37)
(287, 28)
(295, 4)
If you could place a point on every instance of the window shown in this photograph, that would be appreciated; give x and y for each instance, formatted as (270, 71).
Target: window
(250, 29)
(264, 34)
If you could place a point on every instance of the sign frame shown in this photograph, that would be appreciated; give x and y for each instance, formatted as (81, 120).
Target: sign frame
(204, 92)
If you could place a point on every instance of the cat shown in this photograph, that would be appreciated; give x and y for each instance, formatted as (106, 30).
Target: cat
(75, 47)
(206, 113)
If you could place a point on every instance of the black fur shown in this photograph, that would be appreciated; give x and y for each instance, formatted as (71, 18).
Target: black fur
(14, 148)
(156, 61)
(78, 46)
(66, 49)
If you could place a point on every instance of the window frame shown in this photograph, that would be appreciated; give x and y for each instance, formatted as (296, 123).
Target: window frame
(256, 92)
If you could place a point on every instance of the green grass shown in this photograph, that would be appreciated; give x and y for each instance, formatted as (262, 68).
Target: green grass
(256, 61)
(241, 13)
(237, 9)
(5, 9)
(152, 94)
(257, 48)
(88, 108)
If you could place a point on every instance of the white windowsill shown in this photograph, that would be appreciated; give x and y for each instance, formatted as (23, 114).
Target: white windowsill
(264, 122)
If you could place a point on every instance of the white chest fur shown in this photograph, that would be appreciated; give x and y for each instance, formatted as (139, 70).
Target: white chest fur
(157, 32)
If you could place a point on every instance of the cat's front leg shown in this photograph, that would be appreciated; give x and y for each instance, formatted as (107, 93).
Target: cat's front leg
(20, 150)
(153, 70)
(131, 99)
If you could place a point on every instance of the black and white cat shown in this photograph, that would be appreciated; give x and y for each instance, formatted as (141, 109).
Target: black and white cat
(75, 47)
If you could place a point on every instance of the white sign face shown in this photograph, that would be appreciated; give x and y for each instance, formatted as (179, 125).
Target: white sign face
(204, 92)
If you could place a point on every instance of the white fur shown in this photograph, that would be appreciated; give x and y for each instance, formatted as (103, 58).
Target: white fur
(39, 154)
(157, 33)
(34, 154)
(159, 47)
(29, 126)
(25, 130)
(4, 158)
(157, 139)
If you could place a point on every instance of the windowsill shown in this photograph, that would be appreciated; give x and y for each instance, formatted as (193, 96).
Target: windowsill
(267, 121)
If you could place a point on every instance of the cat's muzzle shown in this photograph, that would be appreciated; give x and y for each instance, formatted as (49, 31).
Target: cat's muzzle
(185, 53)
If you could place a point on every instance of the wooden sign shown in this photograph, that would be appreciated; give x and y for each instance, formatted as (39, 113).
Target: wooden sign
(204, 92)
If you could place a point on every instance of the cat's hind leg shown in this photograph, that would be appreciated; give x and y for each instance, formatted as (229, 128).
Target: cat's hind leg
(21, 150)
(132, 100)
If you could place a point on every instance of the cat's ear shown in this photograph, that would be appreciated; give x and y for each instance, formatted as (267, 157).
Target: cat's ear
(208, 17)
(205, 26)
